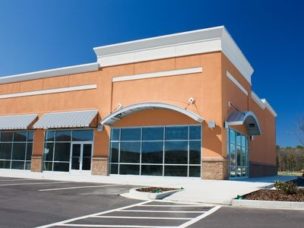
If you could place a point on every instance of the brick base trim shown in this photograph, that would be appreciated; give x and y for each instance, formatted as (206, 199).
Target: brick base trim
(36, 163)
(100, 166)
(261, 169)
(214, 169)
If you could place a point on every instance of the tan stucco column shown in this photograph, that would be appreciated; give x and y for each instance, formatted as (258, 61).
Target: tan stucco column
(101, 152)
(37, 155)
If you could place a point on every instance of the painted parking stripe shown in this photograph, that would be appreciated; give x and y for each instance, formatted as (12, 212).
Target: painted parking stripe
(173, 205)
(76, 187)
(63, 223)
(139, 217)
(127, 226)
(154, 211)
(32, 183)
(196, 219)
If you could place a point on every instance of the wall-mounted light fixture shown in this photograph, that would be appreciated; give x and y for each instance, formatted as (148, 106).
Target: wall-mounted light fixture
(211, 124)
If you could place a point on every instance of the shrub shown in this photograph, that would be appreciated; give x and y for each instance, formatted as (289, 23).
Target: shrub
(288, 187)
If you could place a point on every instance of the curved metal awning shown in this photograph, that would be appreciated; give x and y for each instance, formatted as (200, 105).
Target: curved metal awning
(247, 119)
(17, 122)
(115, 116)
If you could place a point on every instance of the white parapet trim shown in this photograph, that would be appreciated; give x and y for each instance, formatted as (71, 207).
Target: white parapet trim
(236, 83)
(77, 69)
(48, 91)
(175, 45)
(158, 74)
(257, 100)
(268, 106)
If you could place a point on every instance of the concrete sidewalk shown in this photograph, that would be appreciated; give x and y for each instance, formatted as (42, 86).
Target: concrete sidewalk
(195, 190)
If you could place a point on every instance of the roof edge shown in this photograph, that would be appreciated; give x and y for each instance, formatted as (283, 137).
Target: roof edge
(174, 45)
(75, 69)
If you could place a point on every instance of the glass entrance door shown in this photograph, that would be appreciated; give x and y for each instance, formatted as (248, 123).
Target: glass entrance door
(81, 154)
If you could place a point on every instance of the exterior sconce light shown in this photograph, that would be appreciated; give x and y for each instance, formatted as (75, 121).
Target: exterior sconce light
(211, 124)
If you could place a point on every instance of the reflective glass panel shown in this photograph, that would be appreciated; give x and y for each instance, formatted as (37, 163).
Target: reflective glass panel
(115, 134)
(82, 135)
(63, 136)
(153, 133)
(19, 151)
(128, 134)
(129, 152)
(195, 132)
(194, 152)
(152, 170)
(176, 133)
(129, 169)
(62, 152)
(152, 152)
(114, 151)
(180, 171)
(176, 152)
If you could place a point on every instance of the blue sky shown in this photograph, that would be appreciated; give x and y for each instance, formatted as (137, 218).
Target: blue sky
(37, 35)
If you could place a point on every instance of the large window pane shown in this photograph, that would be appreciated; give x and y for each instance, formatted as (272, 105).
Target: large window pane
(128, 134)
(152, 152)
(82, 135)
(129, 152)
(176, 152)
(176, 133)
(195, 132)
(5, 164)
(17, 164)
(48, 152)
(129, 169)
(5, 150)
(50, 136)
(7, 136)
(63, 167)
(114, 152)
(153, 133)
(29, 151)
(194, 152)
(152, 170)
(115, 134)
(176, 171)
(63, 136)
(19, 151)
(194, 171)
(48, 166)
(114, 169)
(20, 136)
(62, 152)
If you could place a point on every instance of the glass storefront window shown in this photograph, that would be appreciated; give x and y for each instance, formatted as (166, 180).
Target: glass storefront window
(16, 149)
(57, 149)
(238, 154)
(157, 151)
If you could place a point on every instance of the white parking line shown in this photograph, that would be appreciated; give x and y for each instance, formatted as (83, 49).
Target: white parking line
(173, 205)
(32, 183)
(62, 223)
(211, 211)
(139, 217)
(198, 212)
(77, 187)
(127, 226)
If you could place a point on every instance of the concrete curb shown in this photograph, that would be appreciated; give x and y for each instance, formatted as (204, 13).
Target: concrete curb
(263, 204)
(134, 194)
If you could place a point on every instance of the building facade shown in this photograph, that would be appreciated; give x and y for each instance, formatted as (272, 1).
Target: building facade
(175, 105)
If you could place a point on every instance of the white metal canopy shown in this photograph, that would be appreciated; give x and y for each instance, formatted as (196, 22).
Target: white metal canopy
(66, 119)
(112, 118)
(16, 122)
(248, 119)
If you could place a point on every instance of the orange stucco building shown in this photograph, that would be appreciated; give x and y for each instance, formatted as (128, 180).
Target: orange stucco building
(175, 105)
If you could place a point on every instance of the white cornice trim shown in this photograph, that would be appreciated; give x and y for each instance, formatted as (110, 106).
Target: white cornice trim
(257, 100)
(159, 74)
(175, 45)
(50, 73)
(268, 106)
(48, 91)
(236, 83)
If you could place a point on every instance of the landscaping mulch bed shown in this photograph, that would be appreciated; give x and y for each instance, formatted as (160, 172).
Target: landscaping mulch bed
(275, 195)
(278, 195)
(155, 189)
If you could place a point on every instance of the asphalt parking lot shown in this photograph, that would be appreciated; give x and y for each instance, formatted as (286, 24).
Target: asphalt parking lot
(47, 203)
